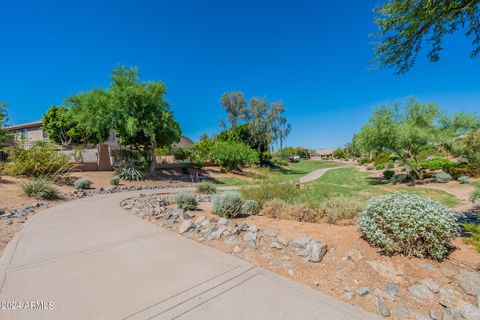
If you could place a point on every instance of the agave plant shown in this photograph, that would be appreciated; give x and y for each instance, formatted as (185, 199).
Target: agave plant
(129, 173)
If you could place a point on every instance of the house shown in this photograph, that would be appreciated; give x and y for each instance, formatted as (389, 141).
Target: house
(321, 154)
(31, 132)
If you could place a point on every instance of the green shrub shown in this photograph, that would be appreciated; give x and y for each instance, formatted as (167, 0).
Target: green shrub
(475, 196)
(40, 160)
(186, 201)
(456, 170)
(388, 174)
(206, 188)
(390, 165)
(281, 162)
(40, 189)
(340, 208)
(380, 166)
(269, 190)
(443, 177)
(435, 163)
(115, 180)
(232, 156)
(227, 204)
(403, 223)
(129, 172)
(82, 183)
(474, 237)
(401, 178)
(464, 180)
(251, 207)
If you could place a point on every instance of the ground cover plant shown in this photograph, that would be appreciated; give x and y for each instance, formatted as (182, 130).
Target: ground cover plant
(402, 223)
(82, 183)
(41, 189)
(186, 201)
(206, 188)
(228, 204)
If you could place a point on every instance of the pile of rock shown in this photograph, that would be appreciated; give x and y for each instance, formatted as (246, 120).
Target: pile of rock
(21, 215)
(80, 193)
(237, 235)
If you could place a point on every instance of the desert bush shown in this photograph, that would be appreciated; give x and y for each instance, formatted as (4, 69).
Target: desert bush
(40, 160)
(390, 165)
(269, 190)
(40, 188)
(227, 204)
(82, 183)
(388, 174)
(281, 162)
(206, 188)
(279, 209)
(401, 178)
(115, 180)
(435, 163)
(475, 196)
(380, 166)
(186, 201)
(456, 170)
(464, 180)
(129, 172)
(403, 223)
(338, 209)
(251, 207)
(443, 177)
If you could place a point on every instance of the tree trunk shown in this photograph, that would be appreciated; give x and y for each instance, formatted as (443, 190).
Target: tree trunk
(153, 159)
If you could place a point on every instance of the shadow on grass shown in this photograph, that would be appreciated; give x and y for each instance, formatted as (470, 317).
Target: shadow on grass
(376, 181)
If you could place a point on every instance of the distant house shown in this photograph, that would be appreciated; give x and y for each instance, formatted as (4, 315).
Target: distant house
(321, 154)
(31, 132)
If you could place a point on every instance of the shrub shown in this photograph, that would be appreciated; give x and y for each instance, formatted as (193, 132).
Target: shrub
(340, 208)
(279, 209)
(281, 162)
(380, 166)
(115, 180)
(186, 201)
(40, 160)
(435, 163)
(403, 223)
(475, 196)
(464, 180)
(456, 170)
(227, 204)
(269, 190)
(388, 174)
(474, 237)
(251, 207)
(129, 172)
(232, 156)
(401, 178)
(82, 183)
(390, 165)
(206, 188)
(40, 189)
(443, 177)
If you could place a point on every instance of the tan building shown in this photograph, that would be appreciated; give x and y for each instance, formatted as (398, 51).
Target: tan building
(321, 154)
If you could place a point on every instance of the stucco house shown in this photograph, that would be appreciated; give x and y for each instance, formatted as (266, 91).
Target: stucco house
(321, 154)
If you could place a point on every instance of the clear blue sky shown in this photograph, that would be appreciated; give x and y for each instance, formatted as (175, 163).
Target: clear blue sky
(313, 55)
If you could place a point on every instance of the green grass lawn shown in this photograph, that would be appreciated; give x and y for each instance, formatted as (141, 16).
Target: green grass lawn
(351, 183)
(295, 170)
(231, 181)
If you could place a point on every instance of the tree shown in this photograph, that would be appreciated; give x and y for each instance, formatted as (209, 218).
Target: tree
(4, 136)
(232, 156)
(235, 105)
(406, 132)
(403, 25)
(136, 112)
(63, 128)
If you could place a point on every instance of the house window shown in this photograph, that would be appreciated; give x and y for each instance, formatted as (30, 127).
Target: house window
(24, 133)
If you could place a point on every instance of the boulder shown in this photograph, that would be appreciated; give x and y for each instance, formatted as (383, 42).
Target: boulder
(317, 251)
(300, 243)
(186, 226)
(421, 292)
(470, 282)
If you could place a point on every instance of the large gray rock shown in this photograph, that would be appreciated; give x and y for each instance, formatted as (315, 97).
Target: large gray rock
(216, 233)
(354, 255)
(200, 220)
(430, 284)
(250, 238)
(317, 251)
(421, 292)
(470, 282)
(469, 311)
(450, 298)
(400, 311)
(186, 226)
(281, 239)
(300, 243)
(276, 245)
(392, 289)
(382, 308)
(223, 222)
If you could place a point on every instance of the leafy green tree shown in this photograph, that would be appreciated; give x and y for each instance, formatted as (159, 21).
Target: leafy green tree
(405, 132)
(4, 136)
(339, 153)
(403, 25)
(136, 111)
(63, 128)
(235, 105)
(233, 156)
(203, 150)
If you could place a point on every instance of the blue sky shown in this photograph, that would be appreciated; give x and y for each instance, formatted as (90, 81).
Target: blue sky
(313, 55)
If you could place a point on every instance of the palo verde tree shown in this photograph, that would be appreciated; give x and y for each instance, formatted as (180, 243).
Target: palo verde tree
(405, 132)
(136, 112)
(404, 25)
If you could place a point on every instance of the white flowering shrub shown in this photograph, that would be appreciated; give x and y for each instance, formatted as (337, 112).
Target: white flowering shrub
(403, 223)
(227, 204)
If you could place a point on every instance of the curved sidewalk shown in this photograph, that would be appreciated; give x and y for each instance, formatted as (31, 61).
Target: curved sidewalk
(91, 260)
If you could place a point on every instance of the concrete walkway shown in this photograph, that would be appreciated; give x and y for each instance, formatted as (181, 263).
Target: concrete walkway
(89, 259)
(314, 175)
